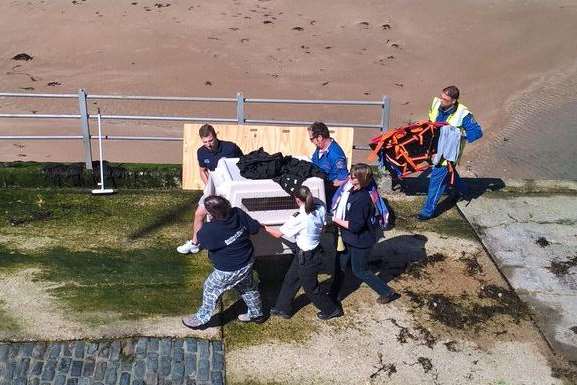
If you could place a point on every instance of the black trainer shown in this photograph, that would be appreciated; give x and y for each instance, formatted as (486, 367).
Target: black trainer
(279, 313)
(335, 314)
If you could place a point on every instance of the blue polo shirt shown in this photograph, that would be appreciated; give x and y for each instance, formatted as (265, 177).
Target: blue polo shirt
(333, 162)
(209, 159)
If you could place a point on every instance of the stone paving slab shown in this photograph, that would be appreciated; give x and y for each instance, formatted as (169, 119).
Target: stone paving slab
(526, 234)
(133, 361)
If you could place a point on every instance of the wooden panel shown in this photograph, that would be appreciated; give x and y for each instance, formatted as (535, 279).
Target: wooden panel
(288, 140)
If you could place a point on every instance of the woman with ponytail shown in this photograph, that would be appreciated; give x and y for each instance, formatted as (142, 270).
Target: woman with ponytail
(305, 227)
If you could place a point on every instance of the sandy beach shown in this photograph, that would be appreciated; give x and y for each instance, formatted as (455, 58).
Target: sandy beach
(515, 62)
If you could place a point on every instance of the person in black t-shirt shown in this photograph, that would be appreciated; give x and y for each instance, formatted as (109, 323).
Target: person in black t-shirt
(227, 239)
(208, 156)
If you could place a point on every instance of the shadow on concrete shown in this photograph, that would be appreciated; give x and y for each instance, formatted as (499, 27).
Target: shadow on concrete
(389, 259)
(476, 187)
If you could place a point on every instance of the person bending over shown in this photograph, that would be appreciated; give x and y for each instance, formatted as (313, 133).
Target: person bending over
(227, 239)
(208, 155)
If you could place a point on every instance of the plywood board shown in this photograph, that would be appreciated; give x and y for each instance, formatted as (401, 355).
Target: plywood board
(288, 140)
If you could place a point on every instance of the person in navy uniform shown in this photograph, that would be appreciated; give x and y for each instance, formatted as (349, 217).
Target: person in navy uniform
(211, 151)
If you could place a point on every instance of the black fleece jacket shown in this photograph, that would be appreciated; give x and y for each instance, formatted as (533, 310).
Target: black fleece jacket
(359, 211)
(228, 240)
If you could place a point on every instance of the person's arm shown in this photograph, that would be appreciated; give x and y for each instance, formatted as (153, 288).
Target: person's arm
(252, 225)
(273, 232)
(473, 130)
(358, 218)
(341, 170)
(203, 171)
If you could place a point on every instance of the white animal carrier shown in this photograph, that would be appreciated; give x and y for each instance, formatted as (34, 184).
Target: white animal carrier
(263, 199)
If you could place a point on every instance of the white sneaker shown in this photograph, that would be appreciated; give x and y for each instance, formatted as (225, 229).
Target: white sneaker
(246, 318)
(188, 247)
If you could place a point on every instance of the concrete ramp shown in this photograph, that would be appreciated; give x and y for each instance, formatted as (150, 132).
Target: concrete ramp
(532, 235)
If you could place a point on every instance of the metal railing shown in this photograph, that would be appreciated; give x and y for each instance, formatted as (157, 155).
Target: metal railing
(240, 101)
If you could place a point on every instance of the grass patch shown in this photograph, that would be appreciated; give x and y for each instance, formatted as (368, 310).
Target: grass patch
(109, 256)
(131, 284)
(8, 323)
(76, 220)
(448, 223)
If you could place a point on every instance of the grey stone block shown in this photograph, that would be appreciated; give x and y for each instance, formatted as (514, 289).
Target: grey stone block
(38, 351)
(4, 349)
(11, 370)
(126, 365)
(217, 346)
(165, 366)
(84, 381)
(67, 349)
(141, 348)
(79, 349)
(26, 350)
(13, 351)
(151, 378)
(178, 354)
(216, 378)
(49, 370)
(125, 379)
(54, 351)
(34, 381)
(190, 345)
(72, 381)
(178, 343)
(37, 368)
(152, 345)
(128, 347)
(23, 366)
(60, 379)
(138, 382)
(64, 364)
(217, 361)
(111, 375)
(203, 350)
(89, 366)
(139, 369)
(203, 370)
(76, 369)
(115, 350)
(189, 364)
(177, 373)
(152, 362)
(100, 371)
(104, 350)
(20, 381)
(165, 346)
(91, 348)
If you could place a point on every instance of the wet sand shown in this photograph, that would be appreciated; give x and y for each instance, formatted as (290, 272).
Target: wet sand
(513, 60)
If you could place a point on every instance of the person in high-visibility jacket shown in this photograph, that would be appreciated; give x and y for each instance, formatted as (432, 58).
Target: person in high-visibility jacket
(447, 108)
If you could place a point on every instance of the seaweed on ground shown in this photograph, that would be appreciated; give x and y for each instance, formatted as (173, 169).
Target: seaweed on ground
(561, 268)
(415, 269)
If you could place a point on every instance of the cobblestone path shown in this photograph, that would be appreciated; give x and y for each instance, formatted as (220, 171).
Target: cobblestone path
(133, 361)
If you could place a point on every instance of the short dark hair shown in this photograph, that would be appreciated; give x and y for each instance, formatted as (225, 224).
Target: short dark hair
(217, 206)
(452, 91)
(319, 128)
(206, 130)
(363, 173)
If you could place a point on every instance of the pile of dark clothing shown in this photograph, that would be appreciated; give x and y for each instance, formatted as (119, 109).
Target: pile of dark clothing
(287, 171)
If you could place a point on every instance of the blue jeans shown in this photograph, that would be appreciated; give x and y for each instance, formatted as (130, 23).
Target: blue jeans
(437, 184)
(360, 265)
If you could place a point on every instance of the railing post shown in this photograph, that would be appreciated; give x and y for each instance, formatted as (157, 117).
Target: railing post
(85, 129)
(386, 117)
(239, 108)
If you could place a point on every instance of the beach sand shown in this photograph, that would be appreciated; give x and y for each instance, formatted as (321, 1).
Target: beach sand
(515, 62)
